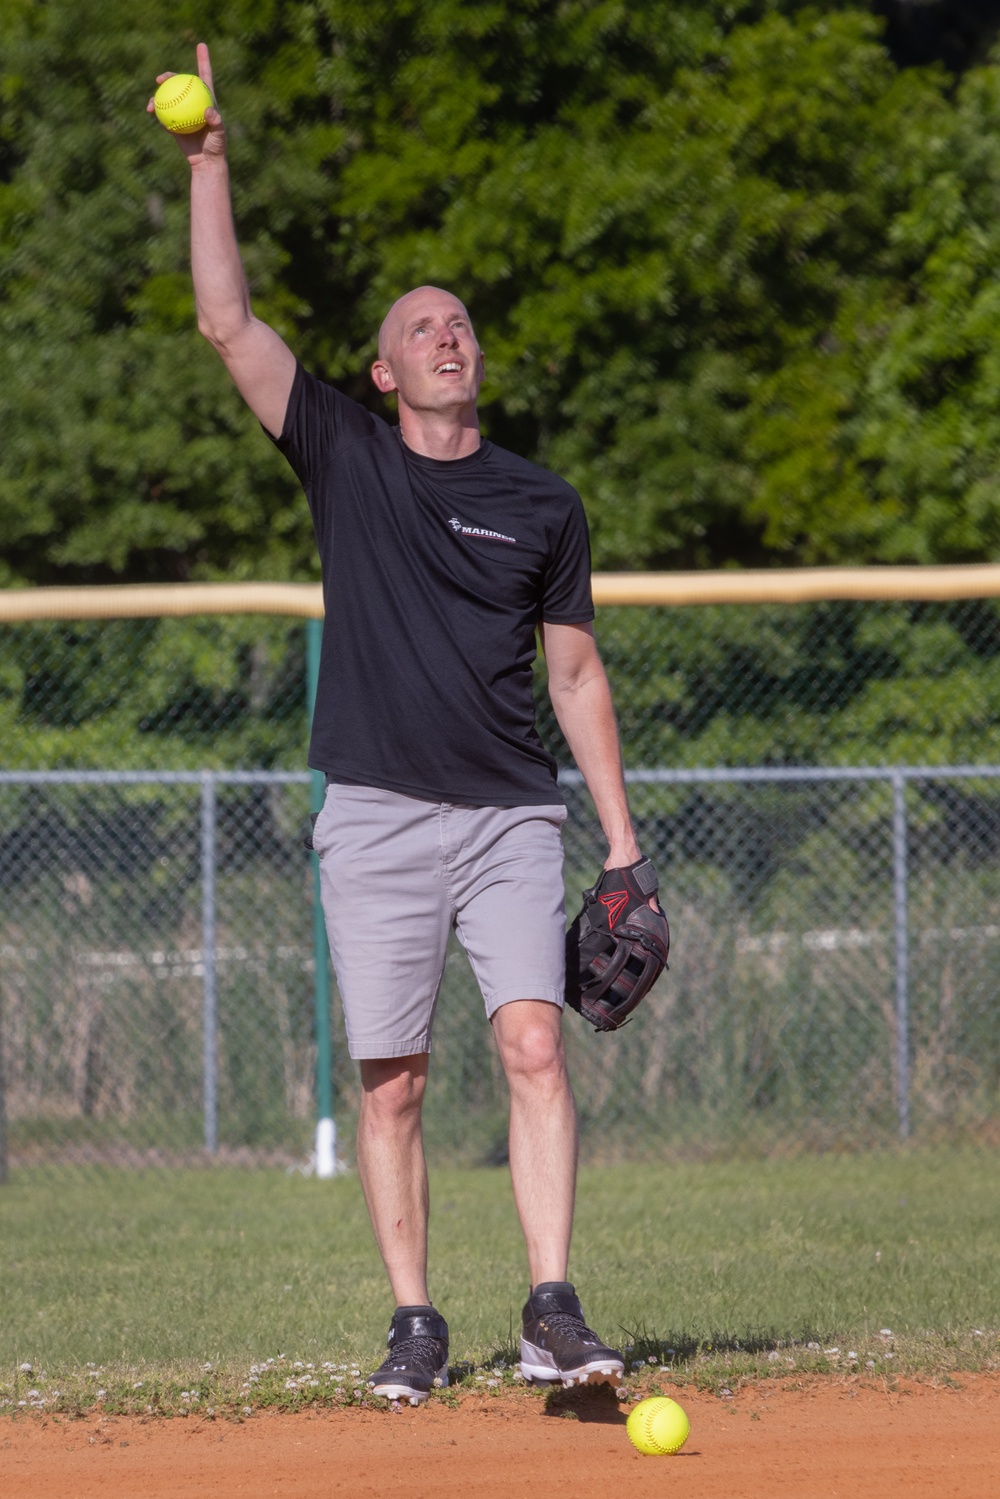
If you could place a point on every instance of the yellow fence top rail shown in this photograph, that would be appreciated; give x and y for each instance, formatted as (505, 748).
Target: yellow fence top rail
(767, 586)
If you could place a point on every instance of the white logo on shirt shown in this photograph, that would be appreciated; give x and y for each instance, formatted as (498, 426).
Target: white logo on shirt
(462, 530)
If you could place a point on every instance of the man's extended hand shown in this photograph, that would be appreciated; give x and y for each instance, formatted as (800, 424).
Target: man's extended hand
(201, 144)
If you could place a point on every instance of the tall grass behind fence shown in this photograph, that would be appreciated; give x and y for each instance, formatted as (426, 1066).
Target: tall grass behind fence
(797, 905)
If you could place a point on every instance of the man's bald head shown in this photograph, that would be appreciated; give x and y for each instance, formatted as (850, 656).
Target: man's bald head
(410, 305)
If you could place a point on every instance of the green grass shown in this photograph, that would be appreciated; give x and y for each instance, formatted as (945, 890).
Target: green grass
(714, 1271)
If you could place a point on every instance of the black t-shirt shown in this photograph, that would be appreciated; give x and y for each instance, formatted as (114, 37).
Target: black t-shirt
(435, 577)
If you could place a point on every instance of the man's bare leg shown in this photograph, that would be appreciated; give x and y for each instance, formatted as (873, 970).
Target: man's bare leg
(557, 1346)
(543, 1131)
(393, 1170)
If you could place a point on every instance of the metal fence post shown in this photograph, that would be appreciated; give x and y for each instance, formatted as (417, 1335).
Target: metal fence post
(901, 924)
(326, 1128)
(209, 1006)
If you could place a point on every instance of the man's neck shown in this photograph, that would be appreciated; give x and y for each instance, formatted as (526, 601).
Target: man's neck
(440, 434)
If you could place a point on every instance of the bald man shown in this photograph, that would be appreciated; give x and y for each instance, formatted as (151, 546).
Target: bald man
(443, 555)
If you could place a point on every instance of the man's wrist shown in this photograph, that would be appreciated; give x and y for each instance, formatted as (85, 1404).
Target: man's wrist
(622, 853)
(214, 161)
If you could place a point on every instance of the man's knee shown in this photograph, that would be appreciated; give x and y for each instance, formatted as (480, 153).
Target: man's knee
(529, 1035)
(393, 1087)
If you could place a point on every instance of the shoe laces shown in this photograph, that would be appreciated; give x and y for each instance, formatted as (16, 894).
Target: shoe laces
(418, 1349)
(568, 1324)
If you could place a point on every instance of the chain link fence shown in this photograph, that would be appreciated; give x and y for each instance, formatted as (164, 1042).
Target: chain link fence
(820, 787)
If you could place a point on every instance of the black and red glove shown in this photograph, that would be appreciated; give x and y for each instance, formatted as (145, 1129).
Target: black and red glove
(617, 946)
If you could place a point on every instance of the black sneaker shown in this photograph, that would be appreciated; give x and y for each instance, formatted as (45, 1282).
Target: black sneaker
(418, 1356)
(557, 1346)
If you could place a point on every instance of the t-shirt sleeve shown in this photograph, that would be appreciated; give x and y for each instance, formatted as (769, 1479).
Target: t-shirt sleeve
(566, 595)
(318, 421)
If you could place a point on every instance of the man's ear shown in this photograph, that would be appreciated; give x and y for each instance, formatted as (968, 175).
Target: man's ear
(382, 375)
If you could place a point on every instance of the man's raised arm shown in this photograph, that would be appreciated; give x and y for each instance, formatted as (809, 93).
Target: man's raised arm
(260, 362)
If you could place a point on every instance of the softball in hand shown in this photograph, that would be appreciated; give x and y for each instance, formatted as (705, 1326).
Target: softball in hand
(181, 102)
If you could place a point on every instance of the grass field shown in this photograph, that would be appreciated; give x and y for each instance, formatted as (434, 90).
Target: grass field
(714, 1271)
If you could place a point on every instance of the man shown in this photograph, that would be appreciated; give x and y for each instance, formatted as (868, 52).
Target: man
(442, 554)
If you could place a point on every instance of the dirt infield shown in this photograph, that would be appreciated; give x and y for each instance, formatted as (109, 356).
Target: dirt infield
(824, 1439)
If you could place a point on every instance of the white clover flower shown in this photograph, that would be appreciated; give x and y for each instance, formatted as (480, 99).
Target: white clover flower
(886, 1332)
(24, 1369)
(869, 1363)
(102, 1394)
(651, 1360)
(852, 1355)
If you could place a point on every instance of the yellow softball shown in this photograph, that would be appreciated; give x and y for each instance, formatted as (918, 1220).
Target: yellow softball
(181, 102)
(658, 1425)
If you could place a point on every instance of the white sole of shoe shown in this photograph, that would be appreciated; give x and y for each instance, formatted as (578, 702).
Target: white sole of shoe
(539, 1367)
(387, 1390)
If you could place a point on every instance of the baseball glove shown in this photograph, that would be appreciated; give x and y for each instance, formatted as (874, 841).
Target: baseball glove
(617, 946)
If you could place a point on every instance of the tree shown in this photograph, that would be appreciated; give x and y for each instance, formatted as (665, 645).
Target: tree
(729, 263)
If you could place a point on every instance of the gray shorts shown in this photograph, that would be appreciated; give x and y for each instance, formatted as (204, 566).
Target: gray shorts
(397, 874)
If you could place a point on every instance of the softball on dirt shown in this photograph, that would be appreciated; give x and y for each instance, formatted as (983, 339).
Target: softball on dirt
(658, 1426)
(181, 102)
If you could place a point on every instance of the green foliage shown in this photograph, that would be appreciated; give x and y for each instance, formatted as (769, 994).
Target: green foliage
(732, 267)
(178, 694)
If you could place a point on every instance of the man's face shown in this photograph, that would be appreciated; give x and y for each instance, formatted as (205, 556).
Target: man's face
(428, 352)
